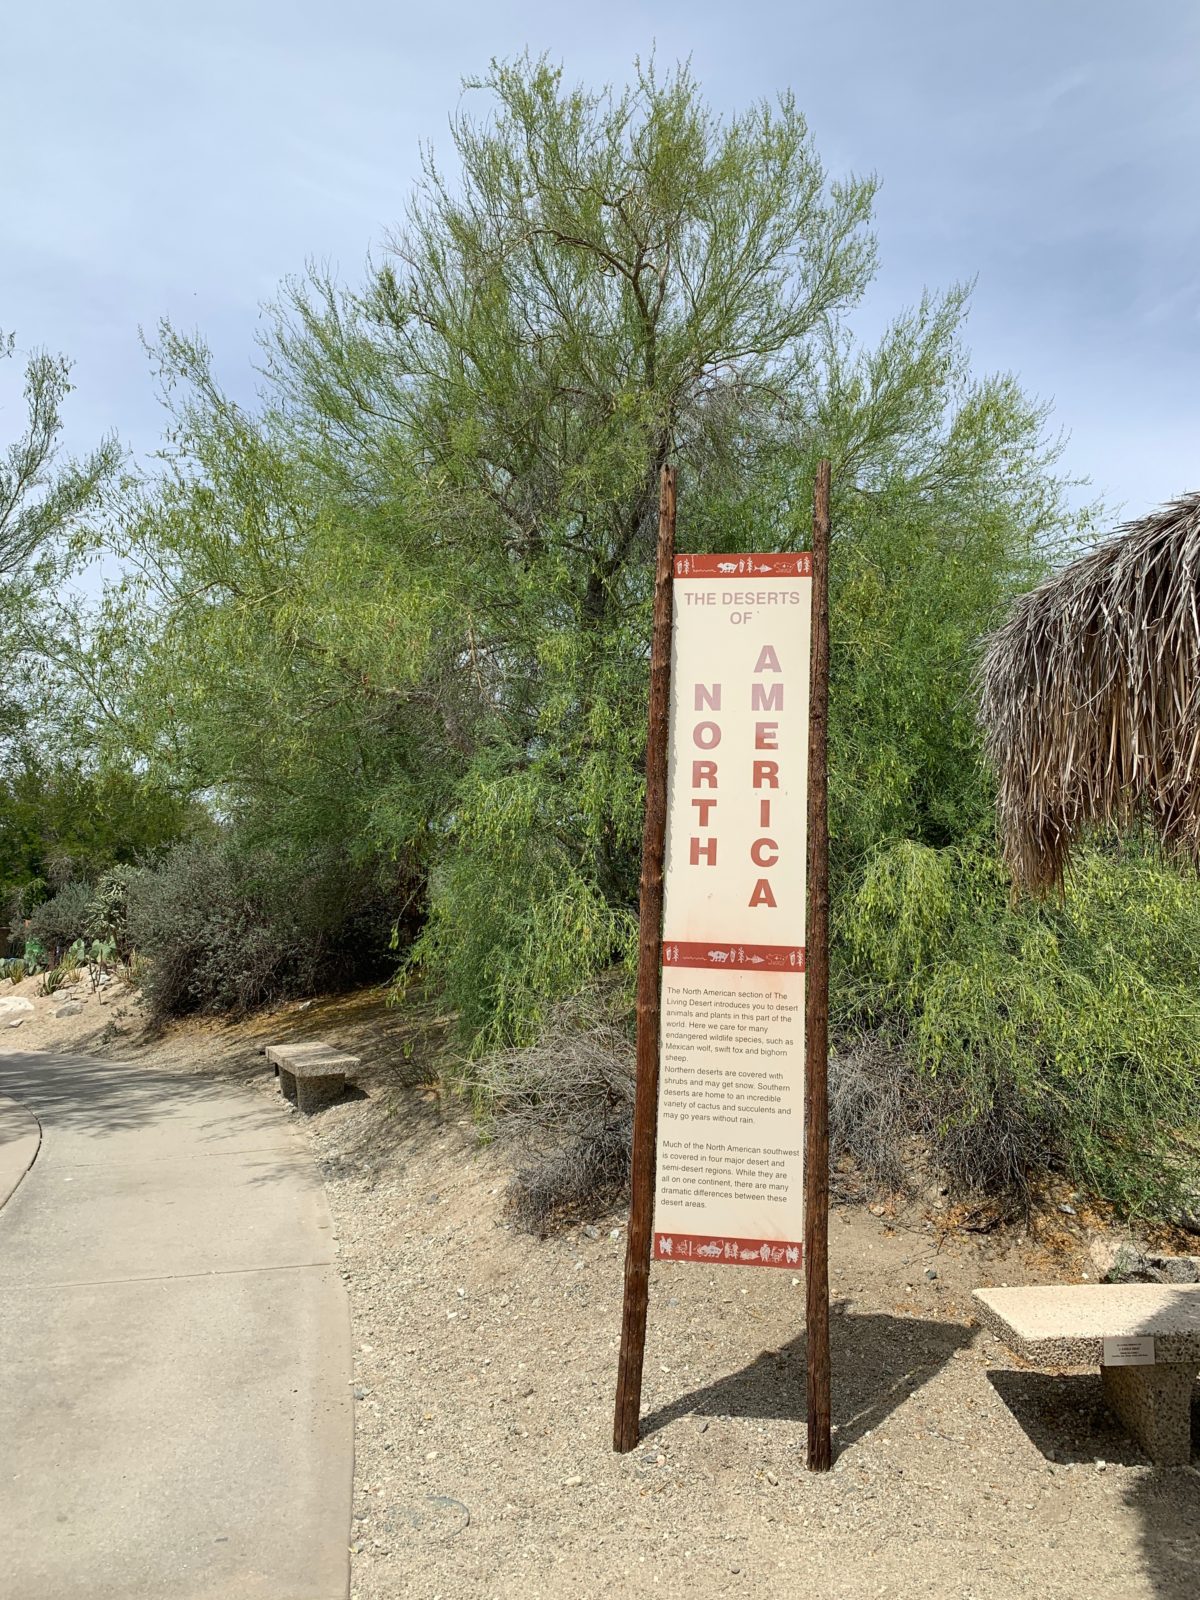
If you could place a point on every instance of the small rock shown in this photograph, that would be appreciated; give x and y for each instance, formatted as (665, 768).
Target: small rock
(71, 1009)
(589, 1232)
(17, 1022)
(1101, 1465)
(772, 1480)
(573, 1482)
(1175, 1269)
(1115, 1259)
(433, 1199)
(931, 1273)
(1070, 1210)
(703, 1428)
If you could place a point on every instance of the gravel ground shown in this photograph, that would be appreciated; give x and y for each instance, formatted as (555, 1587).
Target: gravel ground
(486, 1364)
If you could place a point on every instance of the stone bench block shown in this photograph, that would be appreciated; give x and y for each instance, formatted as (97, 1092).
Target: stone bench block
(311, 1075)
(1155, 1404)
(1066, 1326)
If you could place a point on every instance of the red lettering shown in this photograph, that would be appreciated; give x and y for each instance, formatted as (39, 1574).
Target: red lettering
(766, 736)
(704, 774)
(765, 697)
(709, 699)
(764, 813)
(762, 895)
(756, 852)
(705, 808)
(766, 774)
(707, 735)
(768, 661)
(703, 847)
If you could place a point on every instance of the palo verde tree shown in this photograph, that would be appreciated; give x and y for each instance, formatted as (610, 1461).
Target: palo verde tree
(44, 500)
(406, 600)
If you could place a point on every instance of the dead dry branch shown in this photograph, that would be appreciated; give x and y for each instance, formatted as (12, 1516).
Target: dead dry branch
(564, 1110)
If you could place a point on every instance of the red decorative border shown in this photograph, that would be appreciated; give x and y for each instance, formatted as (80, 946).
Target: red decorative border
(710, 1250)
(785, 564)
(718, 957)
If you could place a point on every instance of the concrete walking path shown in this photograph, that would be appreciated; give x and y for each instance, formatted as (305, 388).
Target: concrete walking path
(175, 1411)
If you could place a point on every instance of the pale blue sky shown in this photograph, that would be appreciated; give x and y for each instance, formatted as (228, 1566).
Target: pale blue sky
(170, 160)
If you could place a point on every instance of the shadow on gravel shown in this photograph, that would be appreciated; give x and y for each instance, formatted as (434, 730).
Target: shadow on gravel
(1065, 1416)
(878, 1361)
(1067, 1419)
(1167, 1501)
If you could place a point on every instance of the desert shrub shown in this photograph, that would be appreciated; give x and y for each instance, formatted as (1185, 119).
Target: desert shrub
(514, 927)
(22, 901)
(222, 928)
(563, 1107)
(57, 922)
(892, 1128)
(872, 1118)
(1063, 1034)
(108, 914)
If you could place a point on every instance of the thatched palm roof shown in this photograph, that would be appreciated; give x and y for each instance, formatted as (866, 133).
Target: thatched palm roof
(1090, 697)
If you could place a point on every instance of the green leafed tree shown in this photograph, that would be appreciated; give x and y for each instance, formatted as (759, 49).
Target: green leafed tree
(46, 502)
(405, 600)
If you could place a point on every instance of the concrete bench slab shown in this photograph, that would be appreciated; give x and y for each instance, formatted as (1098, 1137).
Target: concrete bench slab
(311, 1074)
(1084, 1325)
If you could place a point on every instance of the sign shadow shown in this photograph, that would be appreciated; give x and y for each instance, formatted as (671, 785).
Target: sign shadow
(878, 1361)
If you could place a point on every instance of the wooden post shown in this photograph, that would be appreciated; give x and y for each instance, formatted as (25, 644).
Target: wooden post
(816, 1009)
(645, 1109)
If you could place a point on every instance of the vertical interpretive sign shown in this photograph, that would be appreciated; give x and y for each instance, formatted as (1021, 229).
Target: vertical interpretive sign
(729, 1185)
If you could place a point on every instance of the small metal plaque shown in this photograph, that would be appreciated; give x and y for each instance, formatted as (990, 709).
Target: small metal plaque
(1136, 1351)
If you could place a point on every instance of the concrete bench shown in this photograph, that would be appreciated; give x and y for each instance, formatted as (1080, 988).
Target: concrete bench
(311, 1075)
(1144, 1337)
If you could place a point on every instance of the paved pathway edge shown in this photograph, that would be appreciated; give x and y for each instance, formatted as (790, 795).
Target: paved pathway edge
(20, 1141)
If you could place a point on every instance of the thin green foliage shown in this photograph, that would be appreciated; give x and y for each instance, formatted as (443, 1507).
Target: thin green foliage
(1085, 1012)
(395, 614)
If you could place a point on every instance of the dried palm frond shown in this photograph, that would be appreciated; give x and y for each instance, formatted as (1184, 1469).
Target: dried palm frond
(1090, 698)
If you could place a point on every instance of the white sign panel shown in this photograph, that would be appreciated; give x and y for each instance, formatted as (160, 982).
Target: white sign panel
(1136, 1351)
(729, 1181)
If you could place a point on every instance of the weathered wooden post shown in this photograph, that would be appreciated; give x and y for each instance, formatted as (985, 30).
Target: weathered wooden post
(645, 1111)
(816, 1013)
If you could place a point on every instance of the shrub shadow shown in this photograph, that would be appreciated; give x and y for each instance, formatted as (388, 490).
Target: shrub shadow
(1067, 1419)
(1167, 1503)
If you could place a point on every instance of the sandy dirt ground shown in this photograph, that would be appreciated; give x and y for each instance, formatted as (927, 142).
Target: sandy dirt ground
(486, 1361)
